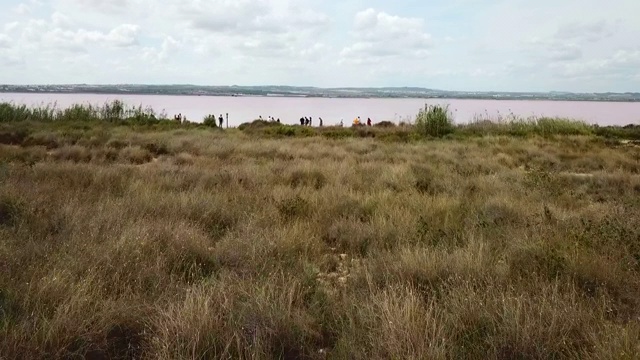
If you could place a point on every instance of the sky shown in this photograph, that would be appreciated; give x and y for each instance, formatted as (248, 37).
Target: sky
(467, 45)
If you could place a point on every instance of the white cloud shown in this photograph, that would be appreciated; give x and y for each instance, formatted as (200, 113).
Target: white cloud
(553, 50)
(60, 20)
(9, 27)
(5, 41)
(373, 25)
(287, 30)
(619, 65)
(27, 8)
(169, 48)
(22, 9)
(379, 35)
(626, 57)
(226, 16)
(565, 52)
(9, 55)
(103, 5)
(124, 35)
(58, 35)
(589, 31)
(240, 17)
(11, 59)
(315, 51)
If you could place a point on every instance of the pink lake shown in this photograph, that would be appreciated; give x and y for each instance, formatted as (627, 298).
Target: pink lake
(332, 110)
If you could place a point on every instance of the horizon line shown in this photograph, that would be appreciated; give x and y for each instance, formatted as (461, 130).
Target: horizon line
(332, 88)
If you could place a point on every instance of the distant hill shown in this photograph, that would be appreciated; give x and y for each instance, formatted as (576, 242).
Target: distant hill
(344, 92)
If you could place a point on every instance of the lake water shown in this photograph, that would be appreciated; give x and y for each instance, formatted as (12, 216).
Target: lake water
(332, 110)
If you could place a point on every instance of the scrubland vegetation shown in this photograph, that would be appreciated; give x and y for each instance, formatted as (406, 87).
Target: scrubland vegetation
(156, 240)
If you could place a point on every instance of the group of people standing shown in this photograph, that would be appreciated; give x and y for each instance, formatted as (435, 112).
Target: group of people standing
(308, 121)
(358, 122)
(271, 119)
(304, 121)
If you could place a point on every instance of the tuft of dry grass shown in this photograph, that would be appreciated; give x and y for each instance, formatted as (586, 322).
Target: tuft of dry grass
(200, 244)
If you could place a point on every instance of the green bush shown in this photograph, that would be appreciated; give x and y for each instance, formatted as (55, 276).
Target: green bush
(10, 210)
(385, 124)
(113, 111)
(10, 112)
(337, 133)
(258, 124)
(631, 132)
(434, 120)
(557, 126)
(210, 121)
(77, 113)
(288, 130)
(293, 207)
(525, 127)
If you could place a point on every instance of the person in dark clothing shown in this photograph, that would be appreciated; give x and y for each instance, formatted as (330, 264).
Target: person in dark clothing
(320, 121)
(306, 121)
(301, 121)
(278, 120)
(368, 121)
(310, 121)
(221, 120)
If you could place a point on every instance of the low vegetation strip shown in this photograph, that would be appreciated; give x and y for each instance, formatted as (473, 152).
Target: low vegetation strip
(150, 241)
(430, 122)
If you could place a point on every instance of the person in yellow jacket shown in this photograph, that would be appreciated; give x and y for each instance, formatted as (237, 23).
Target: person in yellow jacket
(356, 121)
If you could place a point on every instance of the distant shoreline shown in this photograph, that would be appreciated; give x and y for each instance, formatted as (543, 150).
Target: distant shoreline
(321, 96)
(315, 92)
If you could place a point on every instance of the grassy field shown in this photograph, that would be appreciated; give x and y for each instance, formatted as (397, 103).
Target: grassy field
(184, 242)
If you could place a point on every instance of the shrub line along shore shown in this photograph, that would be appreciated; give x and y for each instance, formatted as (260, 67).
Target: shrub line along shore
(432, 121)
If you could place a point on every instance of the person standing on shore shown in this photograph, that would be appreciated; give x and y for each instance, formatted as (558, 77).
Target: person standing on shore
(368, 121)
(320, 122)
(221, 121)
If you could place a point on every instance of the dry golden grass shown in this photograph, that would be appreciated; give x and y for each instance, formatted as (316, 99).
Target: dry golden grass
(195, 244)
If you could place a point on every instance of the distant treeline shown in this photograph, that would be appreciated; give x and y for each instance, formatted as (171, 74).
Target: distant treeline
(402, 92)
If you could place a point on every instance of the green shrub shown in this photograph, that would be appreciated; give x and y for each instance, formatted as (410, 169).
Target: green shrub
(13, 137)
(314, 178)
(136, 155)
(385, 124)
(526, 127)
(113, 111)
(631, 132)
(77, 112)
(364, 132)
(210, 121)
(557, 126)
(294, 207)
(8, 309)
(10, 210)
(338, 133)
(157, 148)
(257, 124)
(288, 130)
(434, 120)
